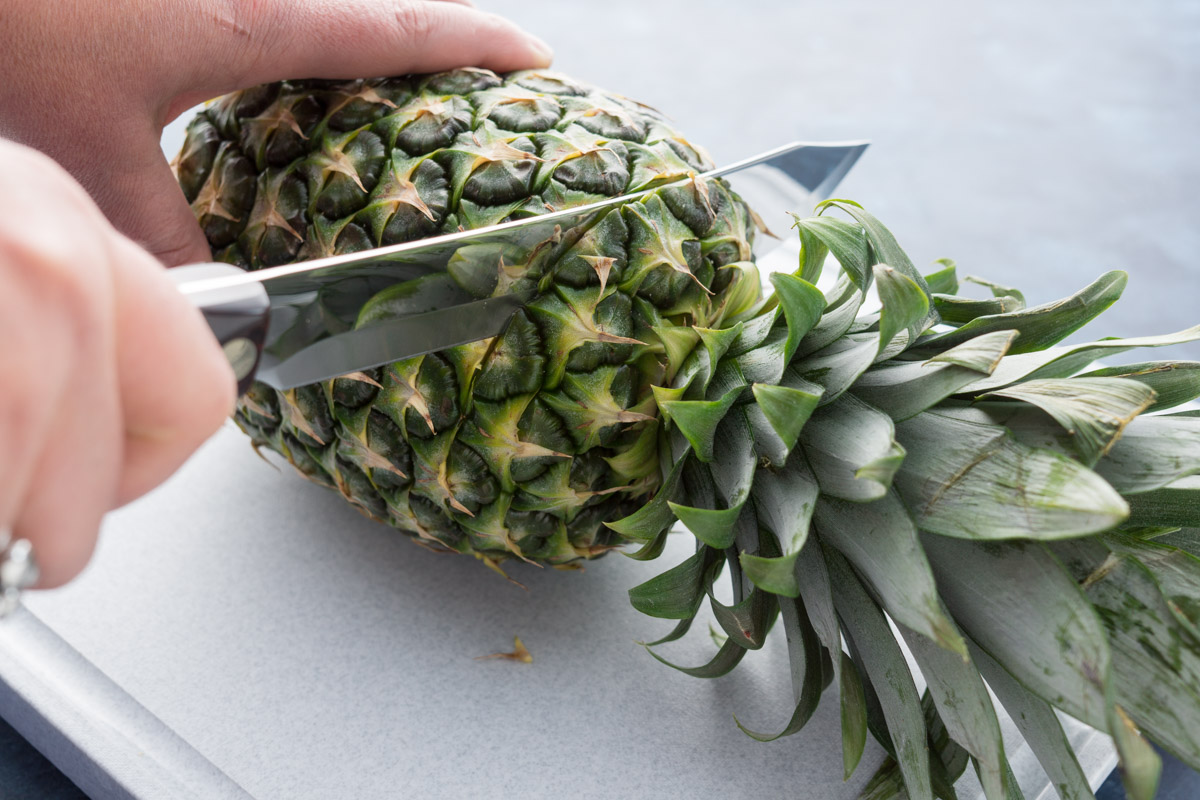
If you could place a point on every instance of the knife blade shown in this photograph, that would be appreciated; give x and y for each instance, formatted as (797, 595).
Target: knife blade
(300, 323)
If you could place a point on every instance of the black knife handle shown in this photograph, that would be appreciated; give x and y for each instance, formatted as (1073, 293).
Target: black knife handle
(236, 313)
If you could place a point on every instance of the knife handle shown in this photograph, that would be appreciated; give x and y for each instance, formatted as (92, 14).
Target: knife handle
(236, 313)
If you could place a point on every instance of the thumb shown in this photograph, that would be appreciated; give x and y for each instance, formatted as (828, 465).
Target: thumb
(361, 38)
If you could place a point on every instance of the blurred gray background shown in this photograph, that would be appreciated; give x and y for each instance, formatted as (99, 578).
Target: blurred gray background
(1036, 143)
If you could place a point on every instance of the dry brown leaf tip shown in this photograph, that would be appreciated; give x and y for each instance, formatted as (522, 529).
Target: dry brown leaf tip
(519, 653)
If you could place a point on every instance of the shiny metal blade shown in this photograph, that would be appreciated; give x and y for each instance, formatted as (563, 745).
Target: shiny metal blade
(352, 312)
(376, 344)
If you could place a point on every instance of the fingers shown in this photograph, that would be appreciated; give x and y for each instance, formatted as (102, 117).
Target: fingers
(73, 478)
(353, 39)
(111, 378)
(175, 385)
(60, 423)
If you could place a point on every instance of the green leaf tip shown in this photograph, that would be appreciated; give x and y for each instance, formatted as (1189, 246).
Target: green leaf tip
(787, 409)
(713, 527)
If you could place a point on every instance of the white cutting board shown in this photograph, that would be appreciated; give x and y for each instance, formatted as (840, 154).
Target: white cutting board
(307, 652)
(242, 629)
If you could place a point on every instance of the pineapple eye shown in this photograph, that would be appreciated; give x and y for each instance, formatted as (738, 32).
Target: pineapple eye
(410, 201)
(434, 522)
(462, 81)
(224, 200)
(602, 172)
(356, 392)
(550, 84)
(427, 124)
(274, 231)
(525, 114)
(385, 438)
(195, 161)
(355, 485)
(516, 363)
(343, 172)
(469, 480)
(613, 124)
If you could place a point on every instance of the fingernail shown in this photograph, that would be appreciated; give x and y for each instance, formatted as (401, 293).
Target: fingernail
(540, 49)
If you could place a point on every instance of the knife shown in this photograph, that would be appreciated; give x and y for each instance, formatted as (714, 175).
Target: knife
(300, 323)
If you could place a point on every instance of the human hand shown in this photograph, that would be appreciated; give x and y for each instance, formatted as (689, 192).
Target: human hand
(94, 93)
(111, 378)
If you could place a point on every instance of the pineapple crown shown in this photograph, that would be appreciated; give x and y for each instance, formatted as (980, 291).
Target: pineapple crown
(940, 462)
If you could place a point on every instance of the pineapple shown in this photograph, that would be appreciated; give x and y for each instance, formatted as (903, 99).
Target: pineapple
(523, 446)
(885, 452)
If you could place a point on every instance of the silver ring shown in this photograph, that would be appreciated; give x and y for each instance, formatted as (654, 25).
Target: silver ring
(18, 571)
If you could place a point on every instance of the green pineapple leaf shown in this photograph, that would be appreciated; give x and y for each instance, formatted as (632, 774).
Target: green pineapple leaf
(1093, 411)
(784, 500)
(1173, 382)
(1177, 504)
(845, 241)
(1152, 452)
(904, 306)
(1062, 362)
(945, 280)
(905, 389)
(884, 247)
(854, 715)
(651, 519)
(883, 662)
(804, 657)
(975, 481)
(836, 367)
(745, 622)
(1047, 634)
(851, 448)
(714, 527)
(880, 540)
(1040, 326)
(726, 658)
(1140, 766)
(955, 310)
(676, 593)
(788, 407)
(997, 289)
(717, 341)
(1175, 565)
(1155, 655)
(964, 707)
(697, 420)
(802, 304)
(842, 305)
(1038, 725)
(734, 461)
(813, 253)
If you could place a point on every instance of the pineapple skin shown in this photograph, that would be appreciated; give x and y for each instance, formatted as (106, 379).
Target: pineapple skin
(527, 444)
